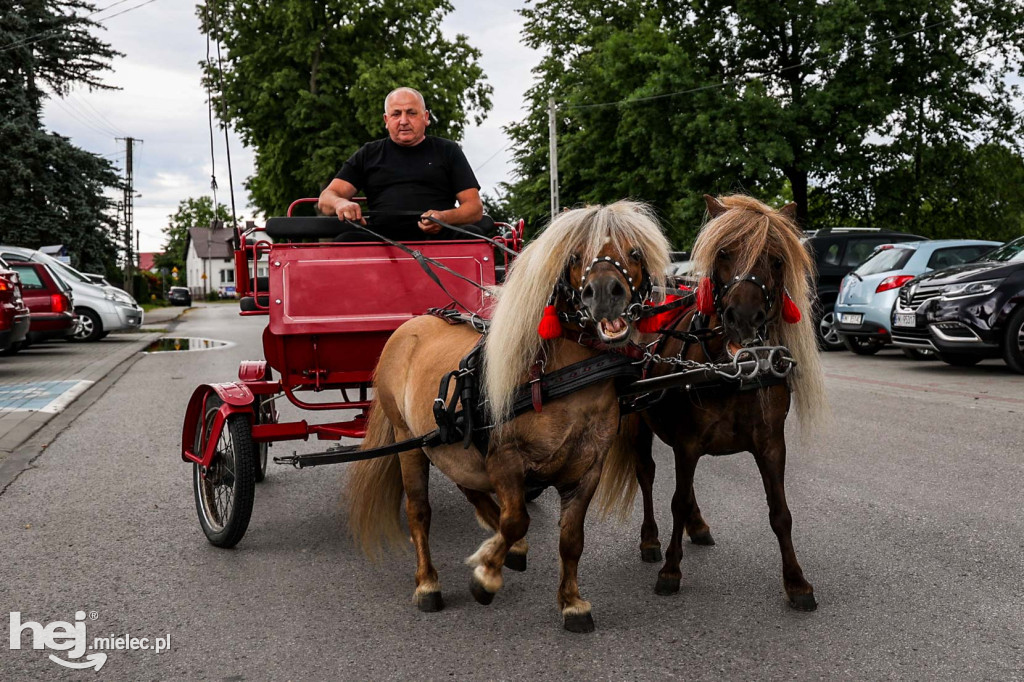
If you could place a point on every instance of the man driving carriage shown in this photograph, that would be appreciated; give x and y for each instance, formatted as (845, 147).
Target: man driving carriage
(408, 178)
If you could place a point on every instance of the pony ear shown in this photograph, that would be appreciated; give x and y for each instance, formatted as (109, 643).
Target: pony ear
(715, 207)
(789, 210)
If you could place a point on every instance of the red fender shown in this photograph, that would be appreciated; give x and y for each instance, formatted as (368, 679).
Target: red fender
(236, 398)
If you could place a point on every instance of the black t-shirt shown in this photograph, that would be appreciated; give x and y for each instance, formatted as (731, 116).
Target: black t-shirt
(418, 178)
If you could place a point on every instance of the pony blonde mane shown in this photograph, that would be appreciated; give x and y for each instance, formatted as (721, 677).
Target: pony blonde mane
(513, 342)
(750, 230)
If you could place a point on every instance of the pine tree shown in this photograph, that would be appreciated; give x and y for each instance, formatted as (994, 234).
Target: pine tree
(50, 190)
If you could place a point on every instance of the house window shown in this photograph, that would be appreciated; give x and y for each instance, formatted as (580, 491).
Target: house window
(227, 276)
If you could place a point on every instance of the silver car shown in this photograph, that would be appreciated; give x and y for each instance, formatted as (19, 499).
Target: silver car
(100, 309)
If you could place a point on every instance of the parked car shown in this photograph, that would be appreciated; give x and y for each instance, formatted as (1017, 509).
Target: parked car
(836, 252)
(14, 314)
(49, 300)
(179, 296)
(867, 294)
(101, 309)
(967, 312)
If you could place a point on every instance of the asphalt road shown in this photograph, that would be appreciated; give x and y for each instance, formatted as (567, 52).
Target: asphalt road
(907, 520)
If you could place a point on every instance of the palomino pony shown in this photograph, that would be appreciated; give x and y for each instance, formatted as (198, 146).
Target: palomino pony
(591, 265)
(756, 288)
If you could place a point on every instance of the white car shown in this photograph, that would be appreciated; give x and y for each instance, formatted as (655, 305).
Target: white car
(100, 309)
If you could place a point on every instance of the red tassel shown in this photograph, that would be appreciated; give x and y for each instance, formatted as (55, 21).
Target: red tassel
(790, 313)
(549, 327)
(705, 297)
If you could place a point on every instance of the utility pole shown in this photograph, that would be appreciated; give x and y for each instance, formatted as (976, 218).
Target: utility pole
(129, 213)
(553, 152)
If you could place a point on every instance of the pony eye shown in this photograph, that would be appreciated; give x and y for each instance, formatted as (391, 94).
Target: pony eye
(777, 263)
(723, 254)
(635, 255)
(574, 259)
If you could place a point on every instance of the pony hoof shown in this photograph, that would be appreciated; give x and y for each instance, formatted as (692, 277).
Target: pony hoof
(481, 595)
(666, 586)
(650, 555)
(703, 538)
(578, 622)
(430, 602)
(515, 562)
(803, 602)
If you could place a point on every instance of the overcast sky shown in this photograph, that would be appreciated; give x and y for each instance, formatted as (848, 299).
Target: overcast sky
(161, 102)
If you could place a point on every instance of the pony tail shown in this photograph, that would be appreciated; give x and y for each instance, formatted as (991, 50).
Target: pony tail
(618, 486)
(374, 491)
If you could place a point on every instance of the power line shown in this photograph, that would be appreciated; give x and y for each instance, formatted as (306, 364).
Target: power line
(747, 79)
(491, 157)
(82, 120)
(101, 118)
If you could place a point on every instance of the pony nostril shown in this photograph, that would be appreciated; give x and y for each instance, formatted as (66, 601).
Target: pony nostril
(617, 289)
(729, 317)
(759, 318)
(588, 291)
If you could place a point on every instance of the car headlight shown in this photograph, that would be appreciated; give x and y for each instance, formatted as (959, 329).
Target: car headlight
(118, 296)
(969, 289)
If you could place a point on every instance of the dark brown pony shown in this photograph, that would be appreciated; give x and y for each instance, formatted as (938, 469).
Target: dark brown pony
(751, 254)
(596, 259)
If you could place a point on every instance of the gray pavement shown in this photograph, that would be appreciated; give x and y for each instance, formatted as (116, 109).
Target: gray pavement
(907, 520)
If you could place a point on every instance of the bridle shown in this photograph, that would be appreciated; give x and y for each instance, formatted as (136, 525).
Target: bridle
(718, 293)
(580, 313)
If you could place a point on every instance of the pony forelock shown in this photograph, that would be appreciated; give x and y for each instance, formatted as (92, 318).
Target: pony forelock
(512, 342)
(750, 230)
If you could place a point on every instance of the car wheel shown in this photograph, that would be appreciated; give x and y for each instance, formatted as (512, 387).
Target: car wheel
(919, 353)
(1013, 346)
(960, 359)
(90, 327)
(828, 335)
(862, 345)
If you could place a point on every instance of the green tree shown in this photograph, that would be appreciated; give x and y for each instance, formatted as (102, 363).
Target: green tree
(192, 212)
(304, 82)
(51, 191)
(773, 98)
(954, 191)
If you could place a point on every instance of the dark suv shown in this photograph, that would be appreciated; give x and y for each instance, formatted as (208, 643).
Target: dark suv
(968, 312)
(837, 251)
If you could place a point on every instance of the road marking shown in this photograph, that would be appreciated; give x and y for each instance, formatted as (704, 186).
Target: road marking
(926, 389)
(40, 396)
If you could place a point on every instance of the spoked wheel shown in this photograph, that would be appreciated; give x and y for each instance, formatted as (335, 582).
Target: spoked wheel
(224, 493)
(265, 414)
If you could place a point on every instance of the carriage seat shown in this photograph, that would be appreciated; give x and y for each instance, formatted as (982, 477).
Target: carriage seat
(329, 227)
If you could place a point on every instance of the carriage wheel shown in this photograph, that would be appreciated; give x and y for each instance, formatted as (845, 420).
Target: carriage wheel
(264, 415)
(224, 496)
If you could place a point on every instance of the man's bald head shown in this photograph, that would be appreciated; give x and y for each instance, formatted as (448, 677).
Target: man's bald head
(410, 91)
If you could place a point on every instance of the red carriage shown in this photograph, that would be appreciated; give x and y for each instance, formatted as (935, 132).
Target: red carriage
(331, 308)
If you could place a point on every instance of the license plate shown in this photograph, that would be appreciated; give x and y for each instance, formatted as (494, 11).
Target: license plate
(851, 318)
(905, 320)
